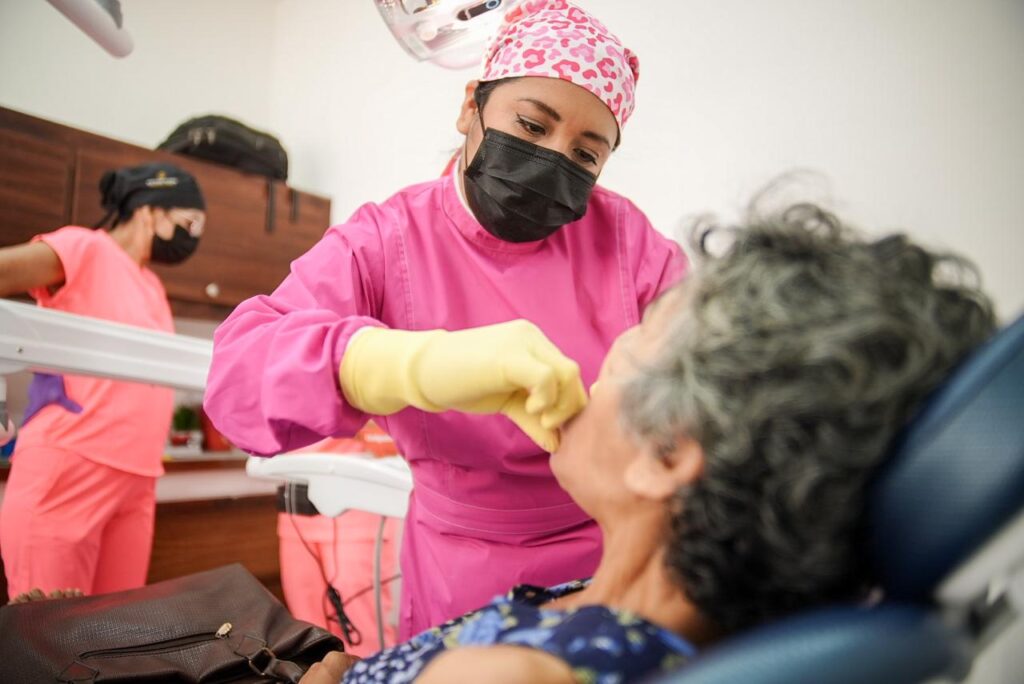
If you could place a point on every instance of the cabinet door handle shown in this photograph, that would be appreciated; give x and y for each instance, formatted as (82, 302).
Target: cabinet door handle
(212, 290)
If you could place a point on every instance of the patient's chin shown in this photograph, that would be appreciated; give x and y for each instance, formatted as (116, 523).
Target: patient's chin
(558, 456)
(562, 458)
(567, 437)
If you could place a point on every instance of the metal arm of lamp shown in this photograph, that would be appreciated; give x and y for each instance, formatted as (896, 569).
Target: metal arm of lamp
(34, 338)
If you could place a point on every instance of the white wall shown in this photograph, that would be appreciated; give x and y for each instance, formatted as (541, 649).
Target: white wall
(911, 109)
(191, 57)
(360, 117)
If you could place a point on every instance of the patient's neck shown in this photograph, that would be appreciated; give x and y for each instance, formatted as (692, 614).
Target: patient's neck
(632, 576)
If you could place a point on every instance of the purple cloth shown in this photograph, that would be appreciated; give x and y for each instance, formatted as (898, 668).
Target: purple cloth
(46, 389)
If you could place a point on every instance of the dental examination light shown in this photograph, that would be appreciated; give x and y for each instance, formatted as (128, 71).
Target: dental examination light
(34, 338)
(100, 20)
(449, 33)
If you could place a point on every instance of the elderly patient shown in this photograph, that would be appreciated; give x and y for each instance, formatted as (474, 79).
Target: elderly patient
(725, 455)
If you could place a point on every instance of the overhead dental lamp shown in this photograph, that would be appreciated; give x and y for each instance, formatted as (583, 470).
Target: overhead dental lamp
(34, 338)
(101, 20)
(39, 339)
(450, 33)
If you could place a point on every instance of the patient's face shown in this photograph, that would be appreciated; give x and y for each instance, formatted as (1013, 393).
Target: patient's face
(595, 449)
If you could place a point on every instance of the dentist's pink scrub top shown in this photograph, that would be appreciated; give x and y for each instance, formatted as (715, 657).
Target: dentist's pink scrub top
(486, 512)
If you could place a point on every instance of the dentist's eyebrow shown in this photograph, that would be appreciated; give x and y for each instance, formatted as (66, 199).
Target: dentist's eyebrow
(553, 113)
(544, 107)
(597, 137)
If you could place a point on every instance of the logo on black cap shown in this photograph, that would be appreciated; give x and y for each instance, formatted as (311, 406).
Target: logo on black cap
(161, 180)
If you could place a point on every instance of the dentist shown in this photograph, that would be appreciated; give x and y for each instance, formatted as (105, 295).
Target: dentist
(466, 315)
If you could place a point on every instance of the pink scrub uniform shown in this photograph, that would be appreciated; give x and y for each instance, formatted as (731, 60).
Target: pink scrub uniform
(486, 511)
(78, 508)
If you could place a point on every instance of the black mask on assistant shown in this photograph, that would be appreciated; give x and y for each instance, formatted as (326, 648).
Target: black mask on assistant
(522, 192)
(174, 251)
(158, 185)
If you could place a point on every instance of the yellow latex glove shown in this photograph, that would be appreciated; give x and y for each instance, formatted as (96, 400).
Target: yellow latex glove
(509, 368)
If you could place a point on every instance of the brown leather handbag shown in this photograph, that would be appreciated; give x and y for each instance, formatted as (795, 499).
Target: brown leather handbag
(216, 626)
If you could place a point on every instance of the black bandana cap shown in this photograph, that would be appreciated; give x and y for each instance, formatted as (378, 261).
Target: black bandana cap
(122, 191)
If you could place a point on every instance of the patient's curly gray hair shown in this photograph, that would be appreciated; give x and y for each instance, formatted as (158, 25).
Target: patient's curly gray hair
(794, 359)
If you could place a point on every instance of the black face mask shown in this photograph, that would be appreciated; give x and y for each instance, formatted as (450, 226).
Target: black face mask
(173, 251)
(521, 192)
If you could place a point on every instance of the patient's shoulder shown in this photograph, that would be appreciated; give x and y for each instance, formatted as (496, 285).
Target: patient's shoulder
(497, 664)
(591, 641)
(596, 641)
(524, 637)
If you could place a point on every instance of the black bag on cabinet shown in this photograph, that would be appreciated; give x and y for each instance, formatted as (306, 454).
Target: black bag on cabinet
(229, 142)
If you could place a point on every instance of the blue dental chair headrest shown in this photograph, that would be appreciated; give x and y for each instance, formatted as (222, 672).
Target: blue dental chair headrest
(957, 474)
(953, 480)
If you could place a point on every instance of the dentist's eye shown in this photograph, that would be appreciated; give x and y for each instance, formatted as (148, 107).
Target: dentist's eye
(529, 126)
(586, 157)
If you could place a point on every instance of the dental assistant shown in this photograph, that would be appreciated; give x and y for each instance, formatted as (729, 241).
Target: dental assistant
(79, 506)
(467, 314)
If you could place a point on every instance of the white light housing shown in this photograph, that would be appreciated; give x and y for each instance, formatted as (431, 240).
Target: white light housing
(34, 338)
(449, 33)
(97, 23)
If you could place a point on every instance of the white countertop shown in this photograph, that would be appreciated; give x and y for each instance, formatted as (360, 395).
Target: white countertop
(194, 485)
(211, 484)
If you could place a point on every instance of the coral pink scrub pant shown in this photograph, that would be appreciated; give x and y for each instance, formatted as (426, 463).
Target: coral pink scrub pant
(67, 522)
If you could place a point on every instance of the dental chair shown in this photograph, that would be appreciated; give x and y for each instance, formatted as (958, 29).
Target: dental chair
(947, 542)
(946, 539)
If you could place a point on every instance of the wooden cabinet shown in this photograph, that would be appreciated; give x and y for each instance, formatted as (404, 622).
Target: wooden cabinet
(49, 177)
(35, 185)
(193, 536)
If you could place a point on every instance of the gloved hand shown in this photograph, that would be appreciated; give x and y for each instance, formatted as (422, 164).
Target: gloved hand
(509, 368)
(46, 389)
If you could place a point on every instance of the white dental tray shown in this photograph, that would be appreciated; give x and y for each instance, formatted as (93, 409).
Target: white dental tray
(340, 482)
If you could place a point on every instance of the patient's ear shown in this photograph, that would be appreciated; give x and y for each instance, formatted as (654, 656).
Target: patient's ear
(655, 477)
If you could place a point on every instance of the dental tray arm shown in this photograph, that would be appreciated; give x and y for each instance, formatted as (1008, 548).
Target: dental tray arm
(34, 338)
(38, 339)
(340, 482)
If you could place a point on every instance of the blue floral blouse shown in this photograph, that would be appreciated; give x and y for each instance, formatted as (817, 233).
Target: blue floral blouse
(601, 645)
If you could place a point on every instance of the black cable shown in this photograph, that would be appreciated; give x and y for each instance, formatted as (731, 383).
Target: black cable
(349, 631)
(364, 590)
